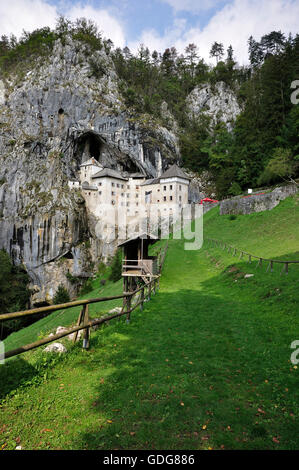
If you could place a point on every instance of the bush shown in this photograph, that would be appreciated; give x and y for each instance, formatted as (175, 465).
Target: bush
(116, 267)
(87, 287)
(61, 296)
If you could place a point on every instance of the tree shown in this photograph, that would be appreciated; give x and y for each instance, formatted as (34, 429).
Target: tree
(217, 50)
(116, 267)
(62, 296)
(191, 57)
(281, 165)
(273, 43)
(256, 55)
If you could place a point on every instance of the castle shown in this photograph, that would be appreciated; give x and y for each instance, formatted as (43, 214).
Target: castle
(132, 191)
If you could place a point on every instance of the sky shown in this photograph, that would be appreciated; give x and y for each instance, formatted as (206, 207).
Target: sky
(159, 24)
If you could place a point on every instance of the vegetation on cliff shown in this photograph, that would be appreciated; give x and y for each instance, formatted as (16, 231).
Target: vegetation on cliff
(263, 146)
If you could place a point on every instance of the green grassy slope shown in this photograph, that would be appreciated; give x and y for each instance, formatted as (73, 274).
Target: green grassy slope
(205, 365)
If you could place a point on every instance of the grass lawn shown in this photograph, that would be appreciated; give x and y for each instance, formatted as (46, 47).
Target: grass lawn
(205, 365)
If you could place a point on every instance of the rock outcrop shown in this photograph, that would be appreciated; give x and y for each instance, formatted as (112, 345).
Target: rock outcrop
(218, 102)
(52, 119)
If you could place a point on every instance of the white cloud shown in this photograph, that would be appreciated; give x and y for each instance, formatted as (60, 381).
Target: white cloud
(233, 24)
(108, 24)
(192, 5)
(16, 15)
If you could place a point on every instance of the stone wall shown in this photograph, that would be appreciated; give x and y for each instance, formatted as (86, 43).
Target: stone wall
(258, 202)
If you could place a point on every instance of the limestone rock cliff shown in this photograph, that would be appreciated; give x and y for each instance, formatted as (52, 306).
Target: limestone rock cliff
(218, 102)
(52, 119)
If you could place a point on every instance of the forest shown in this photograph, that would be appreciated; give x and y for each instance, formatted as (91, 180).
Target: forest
(262, 148)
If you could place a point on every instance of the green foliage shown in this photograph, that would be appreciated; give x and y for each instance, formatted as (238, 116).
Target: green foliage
(116, 267)
(198, 361)
(87, 287)
(14, 282)
(61, 296)
(235, 189)
(282, 166)
(14, 291)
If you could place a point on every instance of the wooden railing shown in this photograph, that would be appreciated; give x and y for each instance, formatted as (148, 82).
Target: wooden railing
(84, 322)
(242, 253)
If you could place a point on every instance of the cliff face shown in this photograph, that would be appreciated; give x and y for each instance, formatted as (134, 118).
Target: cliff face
(51, 120)
(218, 102)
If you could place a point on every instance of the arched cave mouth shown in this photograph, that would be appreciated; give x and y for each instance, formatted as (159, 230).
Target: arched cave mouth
(68, 255)
(89, 145)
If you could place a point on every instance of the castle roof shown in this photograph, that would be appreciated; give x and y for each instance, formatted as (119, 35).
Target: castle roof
(110, 173)
(174, 171)
(91, 161)
(145, 236)
(151, 181)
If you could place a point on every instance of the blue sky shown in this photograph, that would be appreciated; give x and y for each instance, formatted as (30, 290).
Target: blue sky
(140, 15)
(162, 23)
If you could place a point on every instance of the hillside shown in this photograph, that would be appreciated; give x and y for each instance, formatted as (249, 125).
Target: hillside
(68, 95)
(205, 365)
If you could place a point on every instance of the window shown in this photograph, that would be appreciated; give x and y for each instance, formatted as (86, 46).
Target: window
(100, 192)
(112, 184)
(118, 185)
(137, 195)
(122, 186)
(122, 194)
(128, 195)
(164, 198)
(112, 193)
(180, 198)
(170, 187)
(137, 187)
(180, 187)
(171, 198)
(99, 184)
(113, 202)
(164, 188)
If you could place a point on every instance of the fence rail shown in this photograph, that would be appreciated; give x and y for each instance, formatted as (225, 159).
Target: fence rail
(84, 323)
(235, 251)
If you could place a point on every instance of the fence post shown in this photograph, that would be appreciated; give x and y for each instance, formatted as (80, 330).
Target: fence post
(86, 331)
(78, 324)
(142, 299)
(128, 302)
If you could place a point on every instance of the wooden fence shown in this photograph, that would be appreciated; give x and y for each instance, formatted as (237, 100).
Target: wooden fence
(84, 322)
(235, 251)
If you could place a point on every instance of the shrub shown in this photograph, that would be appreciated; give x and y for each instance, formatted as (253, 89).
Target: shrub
(61, 296)
(116, 267)
(87, 287)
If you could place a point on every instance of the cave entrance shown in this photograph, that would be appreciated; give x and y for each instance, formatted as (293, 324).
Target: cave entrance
(90, 145)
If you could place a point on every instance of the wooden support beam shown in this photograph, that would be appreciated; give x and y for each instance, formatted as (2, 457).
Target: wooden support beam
(86, 331)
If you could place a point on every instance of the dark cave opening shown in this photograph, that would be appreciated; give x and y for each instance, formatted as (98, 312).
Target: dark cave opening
(89, 145)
